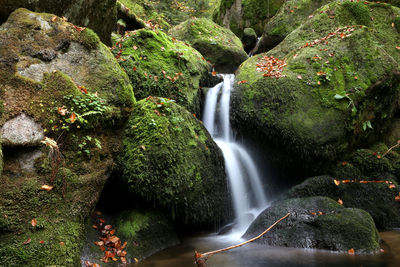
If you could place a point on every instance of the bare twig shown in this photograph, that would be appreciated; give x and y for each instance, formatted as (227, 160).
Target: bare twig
(201, 258)
(390, 149)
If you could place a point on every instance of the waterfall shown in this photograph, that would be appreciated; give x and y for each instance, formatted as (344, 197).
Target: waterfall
(244, 180)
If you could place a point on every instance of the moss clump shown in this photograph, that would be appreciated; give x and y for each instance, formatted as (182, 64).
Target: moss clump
(291, 15)
(360, 11)
(101, 17)
(217, 44)
(169, 13)
(169, 158)
(320, 223)
(397, 23)
(331, 90)
(375, 198)
(89, 39)
(161, 66)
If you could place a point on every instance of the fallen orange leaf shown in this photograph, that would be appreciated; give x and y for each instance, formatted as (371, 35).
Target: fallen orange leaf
(62, 243)
(34, 222)
(27, 241)
(53, 19)
(391, 186)
(72, 117)
(46, 187)
(351, 251)
(340, 201)
(336, 182)
(214, 73)
(41, 241)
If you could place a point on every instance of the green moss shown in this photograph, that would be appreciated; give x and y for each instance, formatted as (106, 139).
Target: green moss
(320, 223)
(397, 23)
(169, 13)
(375, 198)
(78, 182)
(162, 66)
(303, 109)
(89, 39)
(217, 44)
(166, 150)
(360, 11)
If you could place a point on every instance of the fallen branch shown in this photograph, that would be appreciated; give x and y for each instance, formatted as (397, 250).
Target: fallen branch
(201, 258)
(390, 149)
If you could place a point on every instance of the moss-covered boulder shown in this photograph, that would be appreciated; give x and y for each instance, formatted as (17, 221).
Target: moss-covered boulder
(249, 39)
(99, 16)
(170, 159)
(291, 15)
(159, 65)
(240, 14)
(67, 81)
(330, 86)
(145, 231)
(217, 44)
(374, 196)
(167, 13)
(317, 222)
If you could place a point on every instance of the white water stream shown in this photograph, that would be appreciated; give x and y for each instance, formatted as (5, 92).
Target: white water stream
(245, 183)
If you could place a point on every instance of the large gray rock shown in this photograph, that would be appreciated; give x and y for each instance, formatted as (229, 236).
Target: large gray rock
(316, 222)
(100, 15)
(21, 131)
(378, 199)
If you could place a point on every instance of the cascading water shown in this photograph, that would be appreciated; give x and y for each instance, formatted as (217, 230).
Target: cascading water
(245, 183)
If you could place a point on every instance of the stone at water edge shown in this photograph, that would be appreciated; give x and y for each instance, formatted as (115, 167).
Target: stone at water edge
(171, 160)
(375, 198)
(316, 222)
(301, 109)
(217, 44)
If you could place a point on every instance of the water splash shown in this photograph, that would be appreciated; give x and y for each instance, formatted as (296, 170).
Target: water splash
(245, 182)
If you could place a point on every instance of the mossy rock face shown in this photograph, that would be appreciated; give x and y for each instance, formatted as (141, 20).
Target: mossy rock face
(170, 159)
(44, 60)
(217, 44)
(240, 14)
(167, 13)
(334, 93)
(377, 198)
(158, 65)
(249, 39)
(317, 222)
(145, 231)
(99, 16)
(291, 15)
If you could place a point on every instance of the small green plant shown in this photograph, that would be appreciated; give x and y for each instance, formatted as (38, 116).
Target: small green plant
(87, 143)
(83, 110)
(366, 124)
(351, 102)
